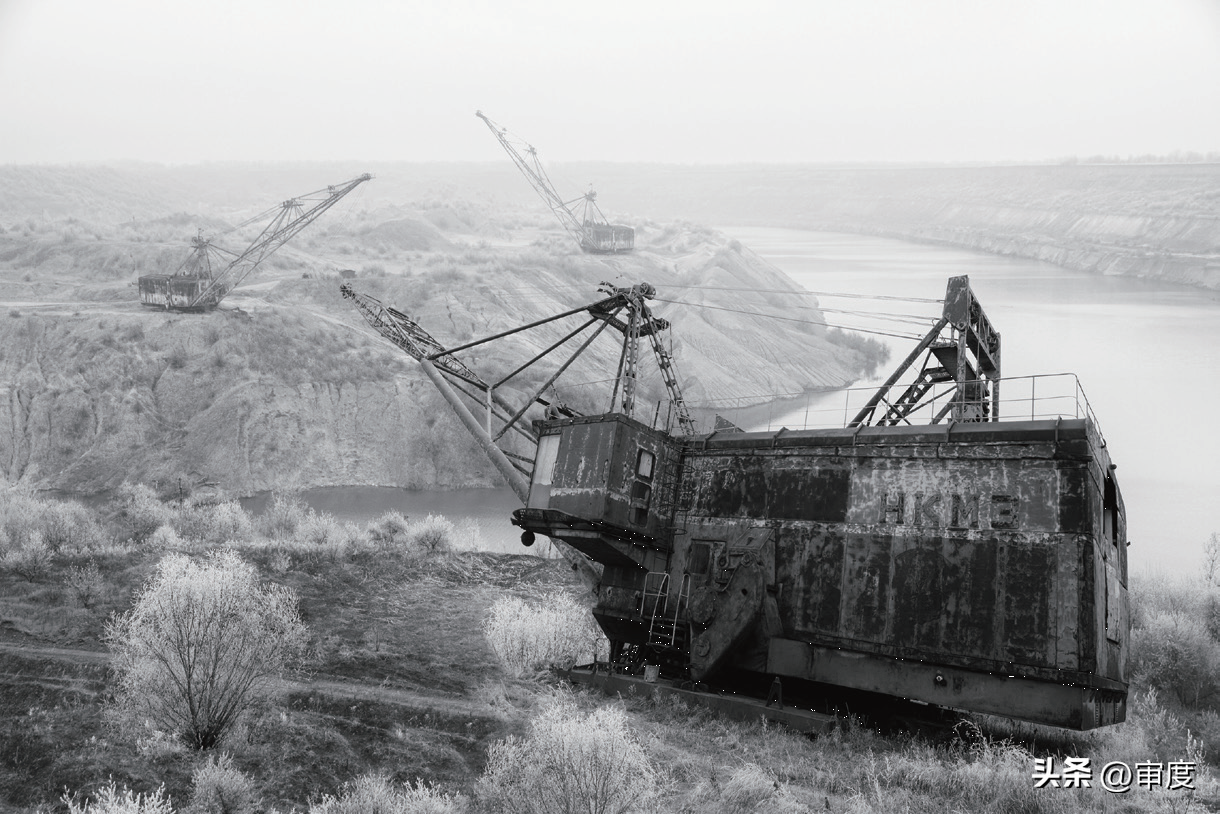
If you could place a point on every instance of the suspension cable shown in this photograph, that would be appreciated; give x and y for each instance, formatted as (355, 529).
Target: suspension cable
(792, 319)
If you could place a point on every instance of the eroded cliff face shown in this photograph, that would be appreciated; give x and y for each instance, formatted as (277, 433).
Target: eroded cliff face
(285, 387)
(94, 399)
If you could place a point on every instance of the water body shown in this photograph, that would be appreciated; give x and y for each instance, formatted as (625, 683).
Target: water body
(1145, 353)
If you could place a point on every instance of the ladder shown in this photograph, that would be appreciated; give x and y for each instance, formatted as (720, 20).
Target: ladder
(665, 630)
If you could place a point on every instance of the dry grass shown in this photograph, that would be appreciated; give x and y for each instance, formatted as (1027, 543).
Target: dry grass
(394, 617)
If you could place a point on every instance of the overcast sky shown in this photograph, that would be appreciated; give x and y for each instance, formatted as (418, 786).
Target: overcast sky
(691, 82)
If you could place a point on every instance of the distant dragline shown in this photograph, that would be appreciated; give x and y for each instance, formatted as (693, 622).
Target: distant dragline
(210, 272)
(591, 229)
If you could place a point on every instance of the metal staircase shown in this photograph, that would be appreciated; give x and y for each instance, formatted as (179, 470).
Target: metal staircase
(668, 631)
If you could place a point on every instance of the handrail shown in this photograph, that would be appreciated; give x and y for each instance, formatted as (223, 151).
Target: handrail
(1037, 397)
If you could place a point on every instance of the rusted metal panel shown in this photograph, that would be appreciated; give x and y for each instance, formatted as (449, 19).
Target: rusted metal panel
(1046, 702)
(967, 551)
(597, 473)
(812, 558)
(1027, 571)
(987, 494)
(776, 488)
(866, 582)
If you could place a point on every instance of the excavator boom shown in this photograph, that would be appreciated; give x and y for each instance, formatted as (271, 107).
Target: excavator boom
(591, 229)
(195, 286)
(623, 309)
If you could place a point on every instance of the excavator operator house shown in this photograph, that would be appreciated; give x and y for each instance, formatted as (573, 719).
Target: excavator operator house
(170, 290)
(604, 485)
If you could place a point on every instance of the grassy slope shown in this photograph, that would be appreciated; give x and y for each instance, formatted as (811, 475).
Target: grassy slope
(399, 680)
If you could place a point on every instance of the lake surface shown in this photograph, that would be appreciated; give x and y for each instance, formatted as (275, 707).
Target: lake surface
(1145, 353)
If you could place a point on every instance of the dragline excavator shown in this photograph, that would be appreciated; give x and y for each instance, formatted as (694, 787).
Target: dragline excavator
(926, 554)
(210, 272)
(590, 228)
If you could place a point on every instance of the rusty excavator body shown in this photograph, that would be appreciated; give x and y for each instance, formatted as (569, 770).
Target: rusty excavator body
(927, 555)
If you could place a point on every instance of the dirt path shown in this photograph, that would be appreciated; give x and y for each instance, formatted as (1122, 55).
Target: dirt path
(332, 687)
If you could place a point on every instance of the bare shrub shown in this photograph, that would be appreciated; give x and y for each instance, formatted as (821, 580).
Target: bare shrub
(285, 513)
(32, 559)
(213, 523)
(165, 539)
(112, 800)
(376, 794)
(433, 535)
(1176, 653)
(219, 788)
(569, 764)
(85, 584)
(142, 511)
(389, 529)
(528, 636)
(202, 644)
(324, 537)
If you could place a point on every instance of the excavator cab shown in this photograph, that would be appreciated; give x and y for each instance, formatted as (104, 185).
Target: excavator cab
(603, 484)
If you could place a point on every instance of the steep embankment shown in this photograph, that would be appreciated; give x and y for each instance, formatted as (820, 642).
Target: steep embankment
(285, 387)
(249, 401)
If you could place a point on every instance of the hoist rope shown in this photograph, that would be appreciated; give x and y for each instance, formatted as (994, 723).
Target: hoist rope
(793, 319)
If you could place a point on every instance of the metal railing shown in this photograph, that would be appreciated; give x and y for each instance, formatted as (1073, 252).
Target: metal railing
(1022, 398)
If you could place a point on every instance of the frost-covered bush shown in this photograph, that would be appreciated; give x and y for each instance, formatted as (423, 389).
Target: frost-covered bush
(213, 523)
(1176, 653)
(85, 584)
(142, 511)
(31, 559)
(59, 525)
(531, 636)
(219, 788)
(203, 643)
(1151, 732)
(376, 794)
(320, 535)
(570, 763)
(19, 518)
(112, 800)
(284, 515)
(389, 529)
(67, 525)
(165, 539)
(432, 535)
